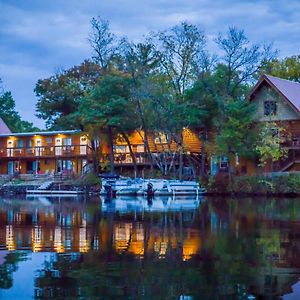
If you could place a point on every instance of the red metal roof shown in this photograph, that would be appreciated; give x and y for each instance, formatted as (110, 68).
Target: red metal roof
(3, 127)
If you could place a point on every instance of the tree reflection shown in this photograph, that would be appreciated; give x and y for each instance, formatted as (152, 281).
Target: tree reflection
(226, 249)
(9, 267)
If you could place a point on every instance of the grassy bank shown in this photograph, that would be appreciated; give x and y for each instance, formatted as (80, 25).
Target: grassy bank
(275, 184)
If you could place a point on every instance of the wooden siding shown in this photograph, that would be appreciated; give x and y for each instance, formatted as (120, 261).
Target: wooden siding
(284, 110)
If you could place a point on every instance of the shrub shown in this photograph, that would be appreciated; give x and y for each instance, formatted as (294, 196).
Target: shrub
(88, 180)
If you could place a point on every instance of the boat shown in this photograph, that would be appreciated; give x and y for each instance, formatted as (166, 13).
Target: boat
(149, 187)
(128, 204)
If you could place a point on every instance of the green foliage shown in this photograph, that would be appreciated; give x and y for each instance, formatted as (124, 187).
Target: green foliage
(108, 104)
(11, 117)
(236, 136)
(58, 96)
(90, 179)
(269, 141)
(287, 68)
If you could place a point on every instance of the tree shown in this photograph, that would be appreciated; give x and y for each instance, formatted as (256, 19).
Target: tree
(141, 62)
(287, 68)
(269, 141)
(108, 109)
(202, 111)
(11, 117)
(58, 96)
(104, 43)
(241, 58)
(237, 136)
(179, 48)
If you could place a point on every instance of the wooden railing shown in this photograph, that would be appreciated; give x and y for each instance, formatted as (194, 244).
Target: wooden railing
(141, 158)
(286, 162)
(45, 151)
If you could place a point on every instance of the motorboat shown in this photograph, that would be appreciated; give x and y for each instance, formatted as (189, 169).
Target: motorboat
(127, 204)
(149, 187)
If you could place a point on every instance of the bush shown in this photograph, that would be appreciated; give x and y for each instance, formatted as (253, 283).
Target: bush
(88, 180)
(257, 184)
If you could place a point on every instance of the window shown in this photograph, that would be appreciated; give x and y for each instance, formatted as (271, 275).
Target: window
(140, 148)
(121, 149)
(224, 163)
(160, 138)
(20, 143)
(295, 142)
(67, 142)
(275, 132)
(48, 140)
(270, 108)
(29, 143)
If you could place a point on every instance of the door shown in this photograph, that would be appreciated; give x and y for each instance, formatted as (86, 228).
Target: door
(38, 148)
(10, 168)
(10, 151)
(58, 146)
(83, 145)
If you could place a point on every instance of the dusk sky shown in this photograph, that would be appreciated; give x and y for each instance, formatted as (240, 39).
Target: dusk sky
(39, 37)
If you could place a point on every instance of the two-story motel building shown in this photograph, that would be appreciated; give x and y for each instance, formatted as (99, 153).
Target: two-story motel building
(49, 152)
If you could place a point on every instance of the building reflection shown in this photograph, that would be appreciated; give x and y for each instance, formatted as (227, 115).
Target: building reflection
(234, 243)
(76, 230)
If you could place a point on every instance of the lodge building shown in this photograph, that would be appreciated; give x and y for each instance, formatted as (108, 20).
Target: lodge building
(43, 152)
(278, 100)
(69, 151)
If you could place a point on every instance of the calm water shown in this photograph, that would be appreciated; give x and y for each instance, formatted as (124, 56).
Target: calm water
(129, 248)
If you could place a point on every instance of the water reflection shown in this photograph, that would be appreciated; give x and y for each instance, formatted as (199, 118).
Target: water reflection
(166, 249)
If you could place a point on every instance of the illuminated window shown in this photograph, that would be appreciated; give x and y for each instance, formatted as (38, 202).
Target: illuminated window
(160, 138)
(121, 149)
(140, 148)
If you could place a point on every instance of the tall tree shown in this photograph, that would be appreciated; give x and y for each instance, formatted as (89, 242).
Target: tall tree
(268, 146)
(58, 96)
(104, 43)
(202, 111)
(109, 109)
(287, 68)
(179, 48)
(10, 116)
(241, 58)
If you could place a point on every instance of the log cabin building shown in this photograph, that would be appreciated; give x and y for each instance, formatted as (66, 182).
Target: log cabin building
(278, 100)
(69, 151)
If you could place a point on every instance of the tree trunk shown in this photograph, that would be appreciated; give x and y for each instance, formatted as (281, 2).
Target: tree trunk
(202, 167)
(95, 156)
(180, 157)
(146, 140)
(111, 150)
(131, 152)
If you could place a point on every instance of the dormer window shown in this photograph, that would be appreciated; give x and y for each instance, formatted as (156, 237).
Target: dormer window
(270, 108)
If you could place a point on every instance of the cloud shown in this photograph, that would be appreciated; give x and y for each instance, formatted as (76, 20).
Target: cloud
(39, 37)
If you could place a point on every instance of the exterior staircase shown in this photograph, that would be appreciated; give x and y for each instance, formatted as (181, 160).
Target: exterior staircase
(46, 185)
(286, 163)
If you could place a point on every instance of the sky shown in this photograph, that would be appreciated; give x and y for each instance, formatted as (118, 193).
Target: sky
(40, 37)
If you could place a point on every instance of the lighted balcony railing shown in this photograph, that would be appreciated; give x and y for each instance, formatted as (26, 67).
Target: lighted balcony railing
(45, 151)
(141, 158)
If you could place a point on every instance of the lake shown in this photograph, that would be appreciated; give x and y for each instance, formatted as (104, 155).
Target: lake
(134, 248)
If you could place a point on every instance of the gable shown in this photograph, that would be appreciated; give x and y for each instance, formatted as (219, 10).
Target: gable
(266, 92)
(3, 127)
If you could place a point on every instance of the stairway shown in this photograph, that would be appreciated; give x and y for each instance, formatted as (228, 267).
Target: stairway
(46, 185)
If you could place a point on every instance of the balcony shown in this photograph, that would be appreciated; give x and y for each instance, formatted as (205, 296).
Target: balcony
(45, 151)
(141, 158)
